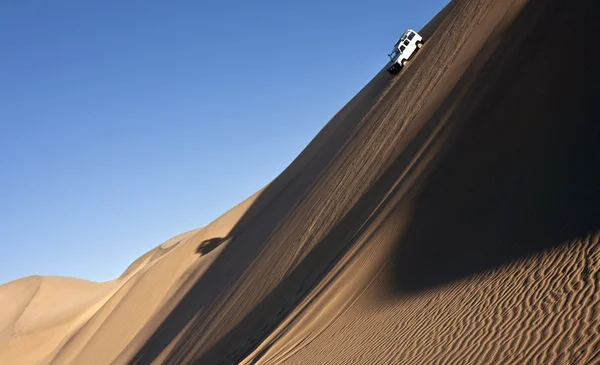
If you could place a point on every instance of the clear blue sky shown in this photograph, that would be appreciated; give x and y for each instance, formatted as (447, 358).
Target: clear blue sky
(124, 123)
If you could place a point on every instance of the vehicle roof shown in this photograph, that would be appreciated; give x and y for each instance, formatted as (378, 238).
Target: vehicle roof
(402, 37)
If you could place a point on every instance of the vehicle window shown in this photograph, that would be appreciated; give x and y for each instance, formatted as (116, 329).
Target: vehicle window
(411, 36)
(406, 42)
(402, 48)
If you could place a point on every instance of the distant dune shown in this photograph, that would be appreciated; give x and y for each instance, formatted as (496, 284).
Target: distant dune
(446, 215)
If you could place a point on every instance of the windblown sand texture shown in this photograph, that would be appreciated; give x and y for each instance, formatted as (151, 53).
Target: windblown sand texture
(446, 215)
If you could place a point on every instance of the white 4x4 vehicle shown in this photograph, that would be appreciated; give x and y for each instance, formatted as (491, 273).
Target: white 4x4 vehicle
(404, 49)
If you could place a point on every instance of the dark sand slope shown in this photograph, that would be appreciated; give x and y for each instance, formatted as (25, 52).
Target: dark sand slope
(447, 215)
(456, 222)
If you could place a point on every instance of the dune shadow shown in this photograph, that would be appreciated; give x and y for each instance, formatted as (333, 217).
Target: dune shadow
(521, 176)
(207, 246)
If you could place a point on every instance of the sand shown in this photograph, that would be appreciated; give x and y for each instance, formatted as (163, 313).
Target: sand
(446, 215)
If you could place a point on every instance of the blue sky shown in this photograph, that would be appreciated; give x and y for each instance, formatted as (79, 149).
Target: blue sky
(124, 123)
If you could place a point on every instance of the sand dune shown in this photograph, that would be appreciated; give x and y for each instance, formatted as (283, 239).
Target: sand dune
(447, 215)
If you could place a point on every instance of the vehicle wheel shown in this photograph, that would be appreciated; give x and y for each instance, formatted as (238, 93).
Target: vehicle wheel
(419, 45)
(403, 63)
